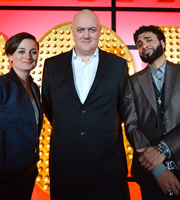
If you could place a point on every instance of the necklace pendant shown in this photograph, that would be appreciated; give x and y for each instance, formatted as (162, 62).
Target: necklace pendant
(159, 101)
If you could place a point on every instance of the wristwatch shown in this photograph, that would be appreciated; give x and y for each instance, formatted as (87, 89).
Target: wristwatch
(163, 150)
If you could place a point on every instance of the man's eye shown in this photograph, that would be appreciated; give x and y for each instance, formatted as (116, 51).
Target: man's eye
(149, 40)
(80, 30)
(92, 30)
(139, 44)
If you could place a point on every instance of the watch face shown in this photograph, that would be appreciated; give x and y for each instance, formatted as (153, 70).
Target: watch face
(162, 149)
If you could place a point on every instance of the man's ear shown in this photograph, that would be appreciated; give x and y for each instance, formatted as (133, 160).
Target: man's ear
(163, 44)
(100, 31)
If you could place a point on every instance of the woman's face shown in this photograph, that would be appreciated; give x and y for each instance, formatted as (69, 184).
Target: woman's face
(25, 57)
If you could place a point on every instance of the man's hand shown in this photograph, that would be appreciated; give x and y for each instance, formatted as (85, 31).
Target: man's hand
(150, 157)
(167, 180)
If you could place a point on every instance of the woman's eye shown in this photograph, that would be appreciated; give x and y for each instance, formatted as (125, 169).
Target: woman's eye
(34, 52)
(21, 52)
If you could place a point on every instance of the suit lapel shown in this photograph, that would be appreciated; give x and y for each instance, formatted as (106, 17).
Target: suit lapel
(170, 80)
(102, 67)
(147, 86)
(69, 75)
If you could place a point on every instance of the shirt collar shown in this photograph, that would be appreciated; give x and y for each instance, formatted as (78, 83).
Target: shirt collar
(96, 54)
(162, 68)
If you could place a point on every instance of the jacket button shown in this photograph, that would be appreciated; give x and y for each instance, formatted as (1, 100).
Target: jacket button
(83, 133)
(83, 111)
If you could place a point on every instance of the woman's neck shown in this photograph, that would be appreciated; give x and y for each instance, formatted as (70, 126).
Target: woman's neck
(24, 79)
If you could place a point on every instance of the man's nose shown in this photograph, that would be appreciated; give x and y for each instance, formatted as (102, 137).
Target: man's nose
(86, 33)
(144, 45)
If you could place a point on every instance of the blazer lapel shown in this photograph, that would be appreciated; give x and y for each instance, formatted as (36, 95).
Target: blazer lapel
(102, 67)
(170, 80)
(69, 75)
(147, 86)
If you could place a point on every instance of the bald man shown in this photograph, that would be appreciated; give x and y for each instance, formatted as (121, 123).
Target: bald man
(81, 94)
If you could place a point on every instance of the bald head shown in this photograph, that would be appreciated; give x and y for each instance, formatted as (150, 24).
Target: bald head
(86, 30)
(87, 13)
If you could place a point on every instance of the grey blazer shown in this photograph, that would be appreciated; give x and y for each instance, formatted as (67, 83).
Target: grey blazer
(141, 117)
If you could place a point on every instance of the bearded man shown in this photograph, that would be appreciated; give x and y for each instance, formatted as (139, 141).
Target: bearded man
(152, 118)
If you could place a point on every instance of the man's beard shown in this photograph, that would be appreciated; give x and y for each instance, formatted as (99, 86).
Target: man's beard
(156, 54)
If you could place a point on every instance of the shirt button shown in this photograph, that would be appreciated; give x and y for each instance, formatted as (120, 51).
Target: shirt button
(83, 133)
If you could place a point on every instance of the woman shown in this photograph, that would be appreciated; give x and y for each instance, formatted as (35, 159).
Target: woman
(20, 120)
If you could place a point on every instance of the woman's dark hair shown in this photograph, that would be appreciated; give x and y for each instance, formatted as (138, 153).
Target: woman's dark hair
(154, 29)
(14, 41)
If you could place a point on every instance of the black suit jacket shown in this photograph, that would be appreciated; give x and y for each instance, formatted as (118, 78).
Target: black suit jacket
(141, 116)
(86, 141)
(18, 130)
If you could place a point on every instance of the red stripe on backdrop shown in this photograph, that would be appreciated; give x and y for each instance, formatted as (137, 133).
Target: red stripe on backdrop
(39, 194)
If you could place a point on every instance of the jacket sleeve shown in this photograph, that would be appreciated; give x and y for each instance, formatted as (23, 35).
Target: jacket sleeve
(46, 96)
(123, 83)
(135, 136)
(172, 139)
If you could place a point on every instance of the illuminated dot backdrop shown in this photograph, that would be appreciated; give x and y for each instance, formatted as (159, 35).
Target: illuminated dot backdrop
(58, 40)
(4, 63)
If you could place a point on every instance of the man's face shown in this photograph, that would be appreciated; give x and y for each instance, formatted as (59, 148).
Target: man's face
(86, 32)
(149, 47)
